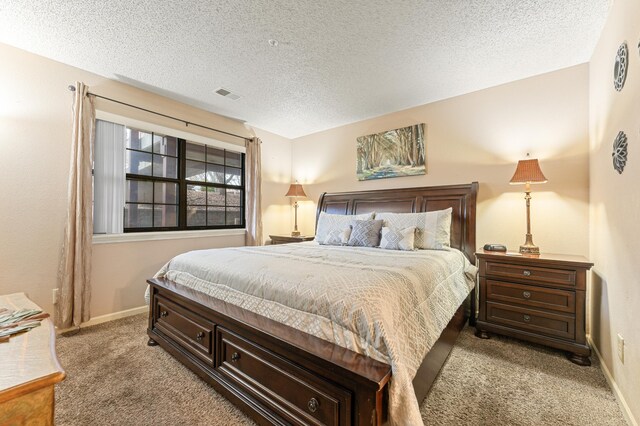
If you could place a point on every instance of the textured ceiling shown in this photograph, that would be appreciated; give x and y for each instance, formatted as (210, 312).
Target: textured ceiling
(336, 62)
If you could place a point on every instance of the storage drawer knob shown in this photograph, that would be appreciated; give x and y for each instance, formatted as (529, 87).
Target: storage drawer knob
(235, 356)
(200, 335)
(526, 294)
(164, 314)
(527, 318)
(313, 405)
(526, 273)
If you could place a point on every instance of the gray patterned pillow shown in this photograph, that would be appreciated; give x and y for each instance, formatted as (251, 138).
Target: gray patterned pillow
(365, 233)
(337, 237)
(336, 222)
(402, 239)
(432, 228)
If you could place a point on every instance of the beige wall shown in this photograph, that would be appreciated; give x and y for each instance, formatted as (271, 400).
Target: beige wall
(480, 137)
(35, 134)
(615, 202)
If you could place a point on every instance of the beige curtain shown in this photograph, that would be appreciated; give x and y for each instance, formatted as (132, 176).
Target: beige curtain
(253, 169)
(74, 274)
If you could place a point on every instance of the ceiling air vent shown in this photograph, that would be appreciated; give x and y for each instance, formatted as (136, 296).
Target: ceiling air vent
(227, 94)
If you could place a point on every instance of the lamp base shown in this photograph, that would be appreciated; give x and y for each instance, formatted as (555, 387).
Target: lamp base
(528, 247)
(295, 233)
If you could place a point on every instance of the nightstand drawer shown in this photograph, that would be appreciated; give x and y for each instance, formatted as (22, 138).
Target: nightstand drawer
(562, 277)
(539, 297)
(548, 323)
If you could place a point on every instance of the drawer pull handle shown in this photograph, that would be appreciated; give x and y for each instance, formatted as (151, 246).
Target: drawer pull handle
(163, 314)
(526, 294)
(526, 273)
(235, 357)
(200, 336)
(527, 318)
(313, 405)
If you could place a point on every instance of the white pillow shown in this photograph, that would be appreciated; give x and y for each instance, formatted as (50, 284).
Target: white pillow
(402, 239)
(336, 222)
(337, 237)
(432, 228)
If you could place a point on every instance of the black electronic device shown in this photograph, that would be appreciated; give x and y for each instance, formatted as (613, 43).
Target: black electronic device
(495, 247)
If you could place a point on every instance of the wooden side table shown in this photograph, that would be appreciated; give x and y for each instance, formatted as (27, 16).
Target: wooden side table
(29, 371)
(540, 299)
(285, 239)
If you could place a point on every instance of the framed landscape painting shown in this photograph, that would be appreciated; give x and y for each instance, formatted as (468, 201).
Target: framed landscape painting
(393, 153)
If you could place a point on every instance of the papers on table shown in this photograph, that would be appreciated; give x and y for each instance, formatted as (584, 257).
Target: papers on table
(13, 322)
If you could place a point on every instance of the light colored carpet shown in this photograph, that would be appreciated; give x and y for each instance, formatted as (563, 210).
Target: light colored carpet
(499, 381)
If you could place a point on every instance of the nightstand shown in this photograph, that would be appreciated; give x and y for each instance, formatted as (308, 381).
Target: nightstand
(540, 299)
(285, 239)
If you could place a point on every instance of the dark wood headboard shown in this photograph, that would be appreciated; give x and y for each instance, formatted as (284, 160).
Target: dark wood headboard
(461, 198)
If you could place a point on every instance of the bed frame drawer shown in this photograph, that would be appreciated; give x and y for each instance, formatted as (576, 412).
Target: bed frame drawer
(551, 324)
(529, 295)
(539, 275)
(299, 397)
(191, 331)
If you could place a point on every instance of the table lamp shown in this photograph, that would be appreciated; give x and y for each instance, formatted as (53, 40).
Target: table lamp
(295, 191)
(528, 172)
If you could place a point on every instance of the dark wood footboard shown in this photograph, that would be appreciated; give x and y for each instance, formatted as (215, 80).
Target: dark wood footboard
(276, 374)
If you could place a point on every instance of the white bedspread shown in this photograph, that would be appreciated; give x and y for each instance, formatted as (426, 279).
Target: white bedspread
(389, 305)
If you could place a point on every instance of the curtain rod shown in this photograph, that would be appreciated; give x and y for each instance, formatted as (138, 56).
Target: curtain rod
(187, 123)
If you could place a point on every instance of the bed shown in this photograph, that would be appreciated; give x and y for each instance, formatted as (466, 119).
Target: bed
(238, 326)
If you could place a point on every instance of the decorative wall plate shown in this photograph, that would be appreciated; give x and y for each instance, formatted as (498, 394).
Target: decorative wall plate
(620, 152)
(620, 67)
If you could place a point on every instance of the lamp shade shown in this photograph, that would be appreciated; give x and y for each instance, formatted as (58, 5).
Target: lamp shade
(295, 190)
(528, 171)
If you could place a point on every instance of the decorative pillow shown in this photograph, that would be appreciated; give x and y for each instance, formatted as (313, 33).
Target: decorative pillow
(402, 239)
(336, 222)
(337, 237)
(432, 228)
(365, 233)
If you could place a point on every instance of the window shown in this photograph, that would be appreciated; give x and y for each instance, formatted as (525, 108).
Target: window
(215, 190)
(151, 191)
(173, 184)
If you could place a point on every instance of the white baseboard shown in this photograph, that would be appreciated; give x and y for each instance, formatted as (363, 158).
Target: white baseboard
(626, 411)
(109, 317)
